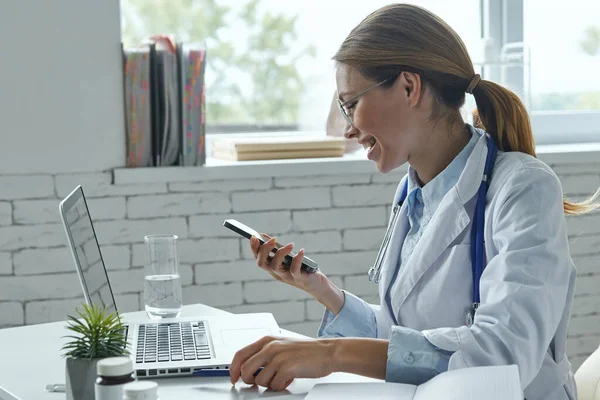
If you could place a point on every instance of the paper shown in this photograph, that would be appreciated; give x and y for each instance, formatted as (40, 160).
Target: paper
(371, 391)
(490, 383)
(476, 383)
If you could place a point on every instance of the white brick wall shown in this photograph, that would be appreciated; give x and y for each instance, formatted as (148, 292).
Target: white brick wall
(338, 219)
(323, 180)
(363, 239)
(271, 291)
(42, 261)
(133, 231)
(6, 267)
(5, 213)
(363, 195)
(15, 187)
(177, 204)
(281, 199)
(100, 185)
(222, 185)
(12, 313)
(116, 257)
(217, 295)
(19, 237)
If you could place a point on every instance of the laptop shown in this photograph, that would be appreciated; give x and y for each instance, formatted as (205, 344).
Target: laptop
(165, 347)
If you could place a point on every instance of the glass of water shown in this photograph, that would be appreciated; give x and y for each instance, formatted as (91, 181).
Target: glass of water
(162, 285)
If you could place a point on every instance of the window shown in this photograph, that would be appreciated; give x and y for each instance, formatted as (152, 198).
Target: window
(564, 40)
(270, 61)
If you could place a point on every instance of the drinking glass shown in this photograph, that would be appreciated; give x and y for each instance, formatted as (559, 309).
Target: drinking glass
(162, 285)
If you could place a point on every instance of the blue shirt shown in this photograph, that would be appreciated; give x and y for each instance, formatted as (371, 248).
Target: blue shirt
(411, 357)
(422, 202)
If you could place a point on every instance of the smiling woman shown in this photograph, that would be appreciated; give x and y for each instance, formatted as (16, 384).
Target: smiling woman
(473, 196)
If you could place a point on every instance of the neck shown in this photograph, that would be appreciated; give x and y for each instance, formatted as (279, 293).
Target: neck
(441, 143)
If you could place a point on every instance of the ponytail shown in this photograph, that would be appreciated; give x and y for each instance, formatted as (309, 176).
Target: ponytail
(502, 114)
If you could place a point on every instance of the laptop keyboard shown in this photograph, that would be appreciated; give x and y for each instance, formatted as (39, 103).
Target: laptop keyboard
(182, 341)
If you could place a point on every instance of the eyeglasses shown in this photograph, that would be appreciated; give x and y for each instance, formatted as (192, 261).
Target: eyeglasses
(342, 105)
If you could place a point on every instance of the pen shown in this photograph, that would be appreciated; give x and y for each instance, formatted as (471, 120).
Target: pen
(55, 387)
(217, 372)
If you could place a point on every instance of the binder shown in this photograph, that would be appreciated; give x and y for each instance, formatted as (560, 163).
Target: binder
(156, 104)
(136, 87)
(192, 60)
(165, 94)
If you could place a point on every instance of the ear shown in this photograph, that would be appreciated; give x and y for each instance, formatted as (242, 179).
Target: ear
(412, 86)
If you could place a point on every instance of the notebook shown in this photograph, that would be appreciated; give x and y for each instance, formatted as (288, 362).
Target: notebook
(164, 95)
(192, 64)
(137, 106)
(476, 383)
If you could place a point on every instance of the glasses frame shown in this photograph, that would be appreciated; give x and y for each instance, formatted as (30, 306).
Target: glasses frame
(342, 104)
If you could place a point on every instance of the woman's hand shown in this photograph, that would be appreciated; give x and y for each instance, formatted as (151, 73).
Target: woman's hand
(283, 361)
(316, 284)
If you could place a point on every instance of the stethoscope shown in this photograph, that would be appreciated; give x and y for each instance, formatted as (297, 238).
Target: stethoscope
(477, 253)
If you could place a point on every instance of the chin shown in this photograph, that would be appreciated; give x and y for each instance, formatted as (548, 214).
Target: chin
(383, 168)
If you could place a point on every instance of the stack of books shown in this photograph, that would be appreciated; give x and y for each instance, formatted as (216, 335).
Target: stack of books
(271, 148)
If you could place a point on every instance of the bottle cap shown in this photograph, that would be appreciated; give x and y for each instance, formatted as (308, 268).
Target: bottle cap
(114, 366)
(140, 390)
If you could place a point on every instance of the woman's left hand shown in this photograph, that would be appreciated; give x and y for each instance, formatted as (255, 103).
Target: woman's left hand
(283, 360)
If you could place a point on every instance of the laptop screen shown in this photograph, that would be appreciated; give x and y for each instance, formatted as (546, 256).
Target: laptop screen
(94, 278)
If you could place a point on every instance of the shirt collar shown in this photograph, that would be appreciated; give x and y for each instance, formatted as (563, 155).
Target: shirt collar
(434, 191)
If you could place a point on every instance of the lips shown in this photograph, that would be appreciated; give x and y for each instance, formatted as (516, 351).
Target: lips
(369, 143)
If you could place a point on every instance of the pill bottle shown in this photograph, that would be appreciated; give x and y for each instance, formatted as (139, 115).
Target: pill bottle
(113, 374)
(141, 390)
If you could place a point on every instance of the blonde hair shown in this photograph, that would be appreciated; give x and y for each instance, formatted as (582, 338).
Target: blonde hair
(404, 37)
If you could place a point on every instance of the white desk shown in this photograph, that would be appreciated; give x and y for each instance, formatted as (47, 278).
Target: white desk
(30, 358)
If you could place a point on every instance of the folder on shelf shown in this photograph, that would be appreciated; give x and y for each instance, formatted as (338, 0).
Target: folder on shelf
(164, 91)
(136, 68)
(192, 61)
(271, 148)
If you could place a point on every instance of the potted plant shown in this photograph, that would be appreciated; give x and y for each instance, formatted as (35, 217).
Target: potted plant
(96, 334)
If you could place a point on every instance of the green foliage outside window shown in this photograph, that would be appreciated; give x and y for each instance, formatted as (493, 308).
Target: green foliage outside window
(255, 84)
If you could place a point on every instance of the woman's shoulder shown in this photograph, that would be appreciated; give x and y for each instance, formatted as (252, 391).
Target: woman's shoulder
(518, 165)
(515, 171)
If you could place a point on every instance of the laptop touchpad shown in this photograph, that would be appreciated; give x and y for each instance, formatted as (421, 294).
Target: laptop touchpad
(238, 338)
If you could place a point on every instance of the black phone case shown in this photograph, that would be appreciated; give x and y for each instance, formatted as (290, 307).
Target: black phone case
(288, 258)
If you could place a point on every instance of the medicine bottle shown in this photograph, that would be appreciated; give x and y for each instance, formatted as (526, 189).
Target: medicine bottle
(140, 390)
(113, 374)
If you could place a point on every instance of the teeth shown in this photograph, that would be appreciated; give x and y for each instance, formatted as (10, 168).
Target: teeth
(367, 146)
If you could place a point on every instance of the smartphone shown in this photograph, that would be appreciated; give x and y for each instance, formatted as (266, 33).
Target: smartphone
(308, 265)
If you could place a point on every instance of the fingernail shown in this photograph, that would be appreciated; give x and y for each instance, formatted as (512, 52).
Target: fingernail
(301, 252)
(290, 245)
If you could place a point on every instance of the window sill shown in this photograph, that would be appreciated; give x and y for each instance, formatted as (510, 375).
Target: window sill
(354, 163)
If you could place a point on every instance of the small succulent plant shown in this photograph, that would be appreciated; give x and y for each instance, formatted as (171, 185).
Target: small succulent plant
(97, 334)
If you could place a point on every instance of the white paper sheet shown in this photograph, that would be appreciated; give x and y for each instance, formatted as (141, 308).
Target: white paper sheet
(477, 383)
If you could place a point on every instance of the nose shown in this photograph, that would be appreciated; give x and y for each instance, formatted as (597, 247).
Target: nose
(350, 131)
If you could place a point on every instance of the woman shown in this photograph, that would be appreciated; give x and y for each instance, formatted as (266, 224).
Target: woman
(402, 75)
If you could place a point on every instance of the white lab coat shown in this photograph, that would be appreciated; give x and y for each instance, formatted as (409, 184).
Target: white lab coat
(527, 286)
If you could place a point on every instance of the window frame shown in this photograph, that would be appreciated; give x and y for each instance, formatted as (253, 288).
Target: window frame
(503, 21)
